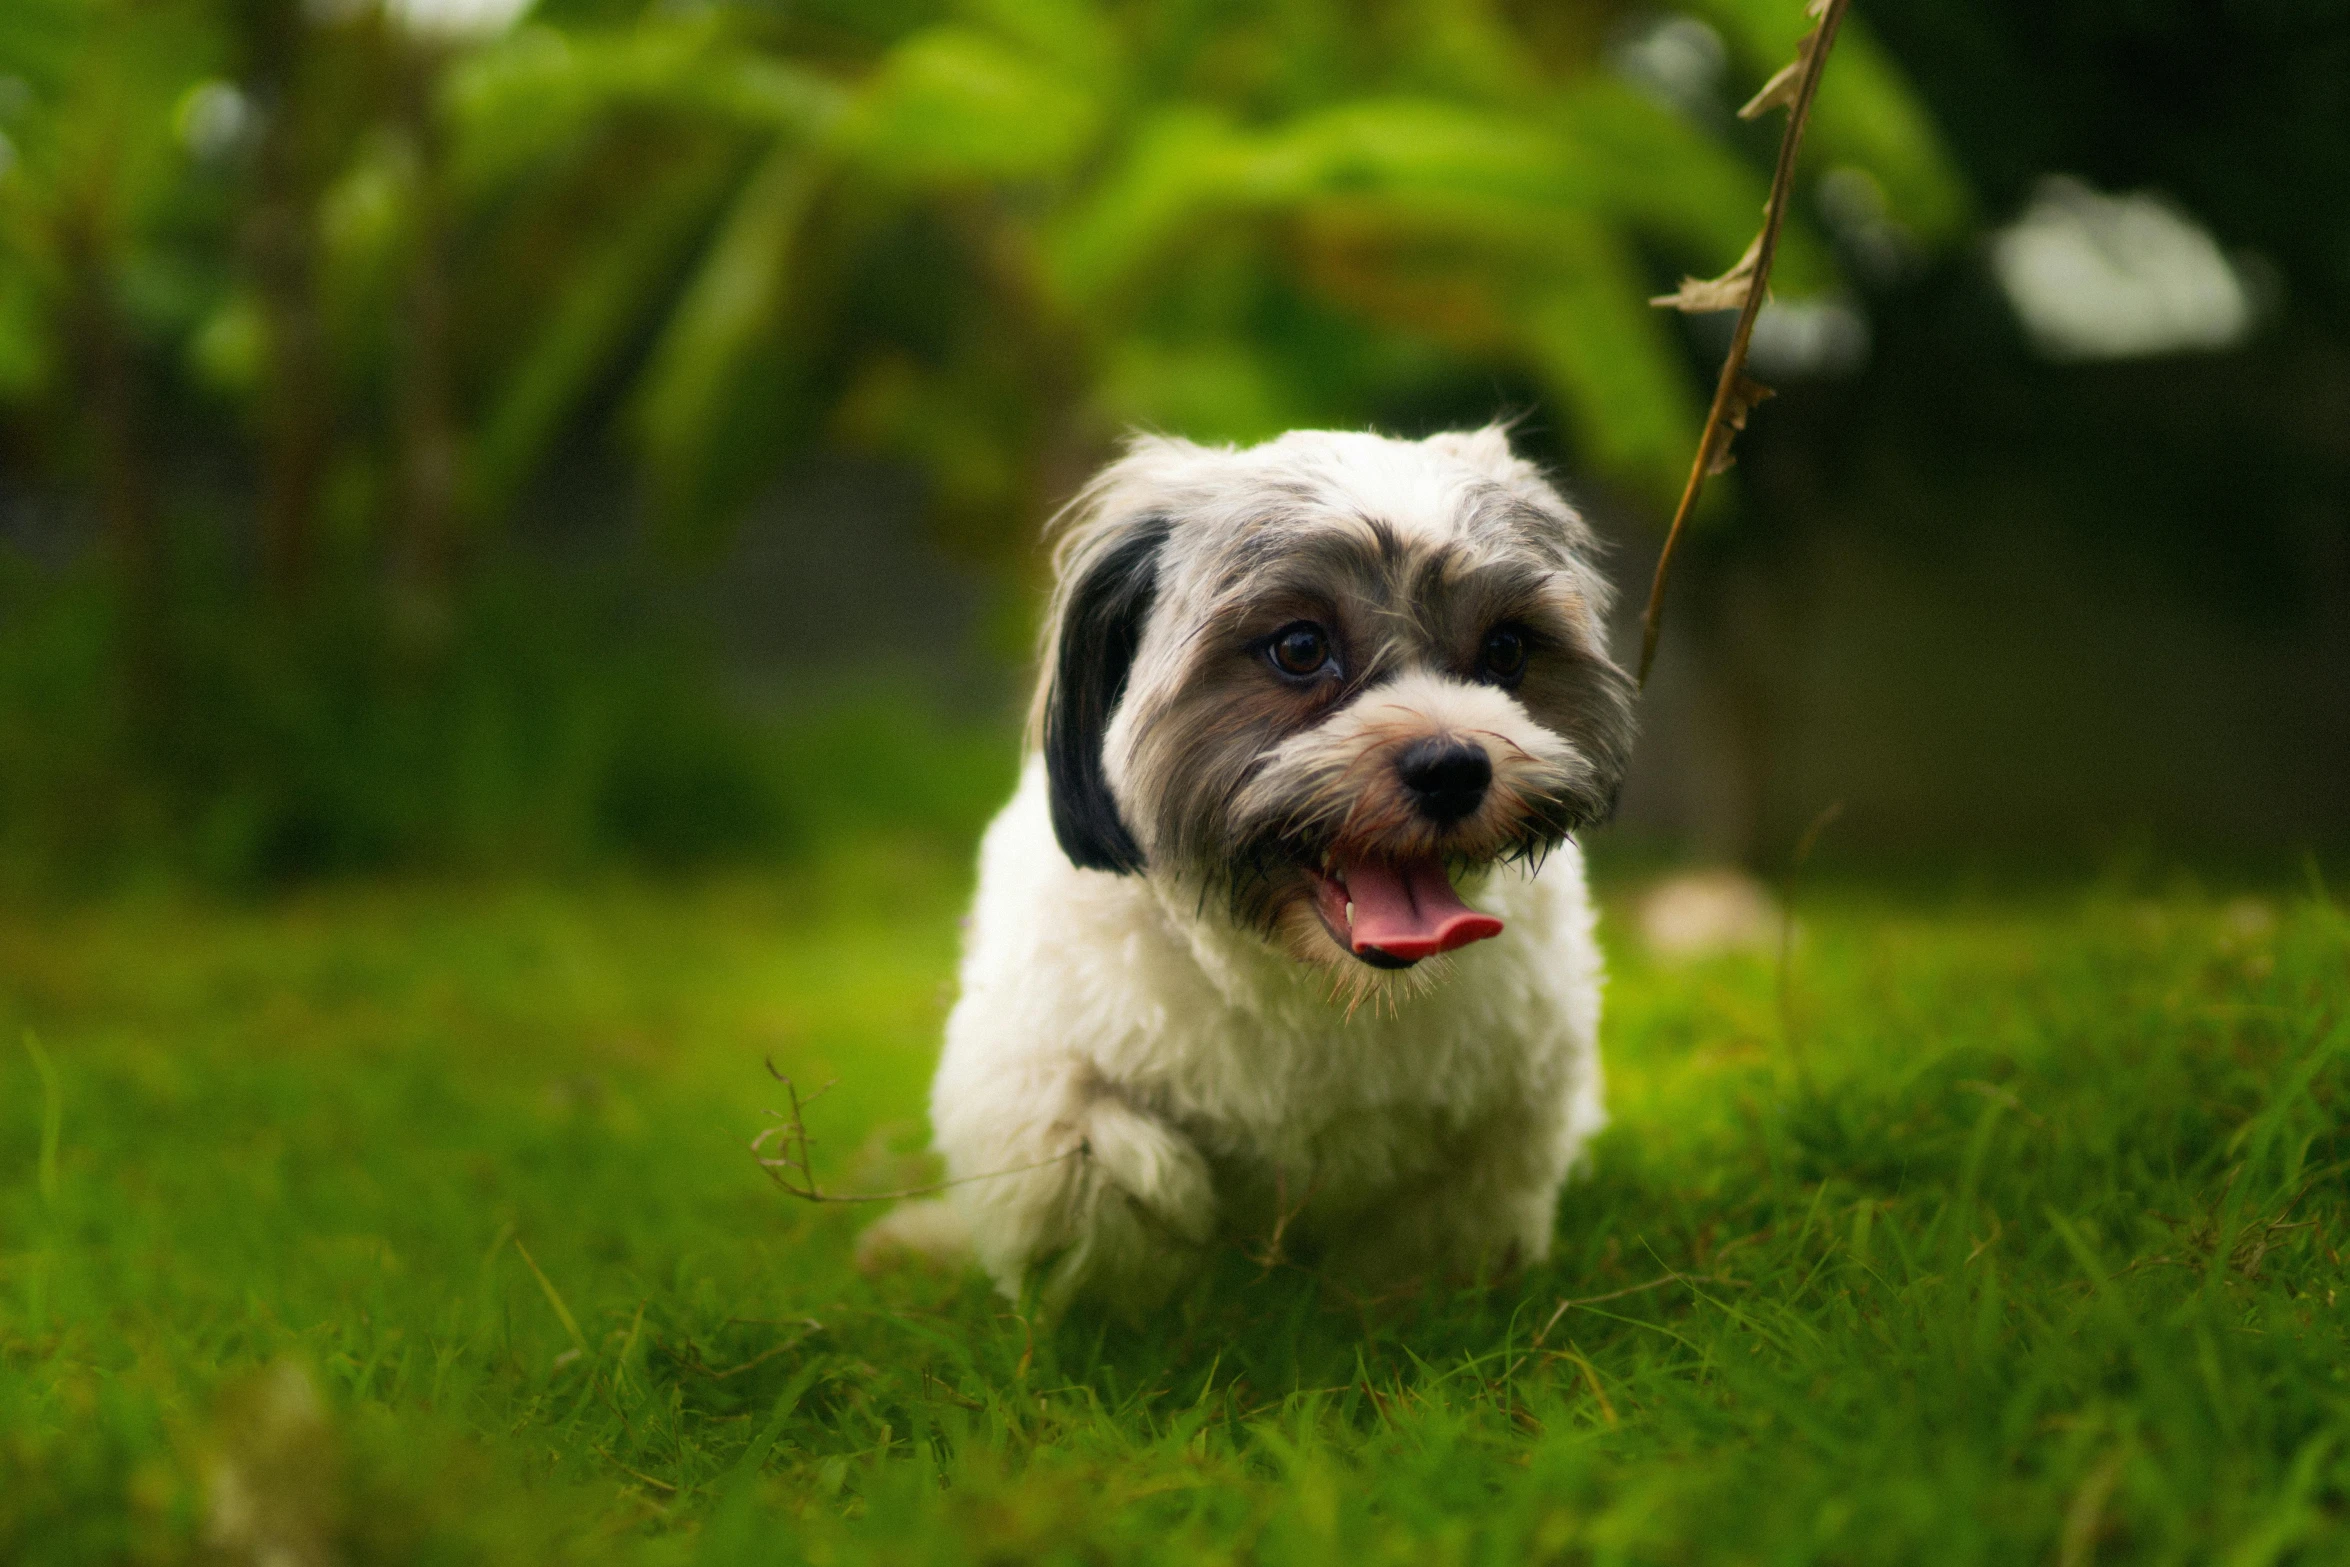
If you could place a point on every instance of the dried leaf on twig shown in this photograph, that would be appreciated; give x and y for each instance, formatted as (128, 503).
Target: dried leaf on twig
(1779, 91)
(1700, 296)
(1743, 398)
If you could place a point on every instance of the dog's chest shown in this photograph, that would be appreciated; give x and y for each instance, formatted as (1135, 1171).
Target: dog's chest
(1308, 1088)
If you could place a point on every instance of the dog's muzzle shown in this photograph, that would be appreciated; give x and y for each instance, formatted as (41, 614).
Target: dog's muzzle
(1392, 911)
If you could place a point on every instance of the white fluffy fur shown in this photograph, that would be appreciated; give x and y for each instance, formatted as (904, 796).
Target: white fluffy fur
(1172, 1082)
(1432, 1129)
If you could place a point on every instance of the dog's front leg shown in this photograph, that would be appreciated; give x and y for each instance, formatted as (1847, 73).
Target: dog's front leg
(1485, 1205)
(1116, 1206)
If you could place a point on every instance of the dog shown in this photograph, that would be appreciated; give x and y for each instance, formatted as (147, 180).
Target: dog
(1284, 938)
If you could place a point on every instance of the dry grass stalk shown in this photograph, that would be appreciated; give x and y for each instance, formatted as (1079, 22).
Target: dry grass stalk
(1744, 286)
(790, 1166)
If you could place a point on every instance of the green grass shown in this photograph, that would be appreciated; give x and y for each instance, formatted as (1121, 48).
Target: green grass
(2021, 1248)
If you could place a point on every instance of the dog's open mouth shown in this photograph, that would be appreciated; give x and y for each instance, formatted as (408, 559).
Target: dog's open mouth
(1393, 913)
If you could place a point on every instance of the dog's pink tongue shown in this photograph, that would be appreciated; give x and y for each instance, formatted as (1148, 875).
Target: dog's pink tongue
(1409, 910)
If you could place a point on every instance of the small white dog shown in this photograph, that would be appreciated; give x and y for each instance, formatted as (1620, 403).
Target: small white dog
(1219, 981)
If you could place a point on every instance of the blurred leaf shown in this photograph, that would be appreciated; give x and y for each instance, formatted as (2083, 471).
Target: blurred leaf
(1867, 115)
(945, 422)
(25, 363)
(1079, 39)
(1683, 189)
(228, 351)
(366, 221)
(516, 105)
(39, 39)
(1219, 390)
(1188, 166)
(1177, 162)
(589, 323)
(726, 311)
(1611, 363)
(97, 200)
(952, 103)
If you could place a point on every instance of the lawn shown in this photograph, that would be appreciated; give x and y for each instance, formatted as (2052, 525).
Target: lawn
(419, 1224)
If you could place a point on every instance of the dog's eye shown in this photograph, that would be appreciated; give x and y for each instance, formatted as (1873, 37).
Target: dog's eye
(1302, 649)
(1504, 654)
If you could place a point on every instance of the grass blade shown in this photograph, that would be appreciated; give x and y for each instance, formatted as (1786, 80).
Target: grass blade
(554, 1299)
(52, 1119)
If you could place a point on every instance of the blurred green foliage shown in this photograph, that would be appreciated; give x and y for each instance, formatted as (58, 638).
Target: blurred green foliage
(303, 307)
(962, 232)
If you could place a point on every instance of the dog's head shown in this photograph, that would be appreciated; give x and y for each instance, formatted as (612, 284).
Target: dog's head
(1317, 679)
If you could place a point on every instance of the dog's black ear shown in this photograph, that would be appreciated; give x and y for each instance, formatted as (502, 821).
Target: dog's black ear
(1093, 652)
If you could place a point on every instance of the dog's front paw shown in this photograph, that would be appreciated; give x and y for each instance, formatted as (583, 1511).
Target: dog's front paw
(1152, 1166)
(1093, 1197)
(1143, 1206)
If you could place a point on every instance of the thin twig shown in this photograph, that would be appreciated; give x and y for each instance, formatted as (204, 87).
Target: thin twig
(638, 1474)
(1734, 395)
(1566, 1306)
(2084, 1518)
(791, 1169)
(1274, 1254)
(759, 1359)
(1607, 1410)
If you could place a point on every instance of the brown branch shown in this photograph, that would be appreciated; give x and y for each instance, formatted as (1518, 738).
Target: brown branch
(790, 1167)
(1734, 394)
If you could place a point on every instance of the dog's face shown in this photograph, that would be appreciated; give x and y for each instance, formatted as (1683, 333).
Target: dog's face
(1316, 680)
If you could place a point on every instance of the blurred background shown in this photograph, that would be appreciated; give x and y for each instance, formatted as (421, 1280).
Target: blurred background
(476, 436)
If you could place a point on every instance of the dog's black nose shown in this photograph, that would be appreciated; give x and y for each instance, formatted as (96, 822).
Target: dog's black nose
(1448, 778)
